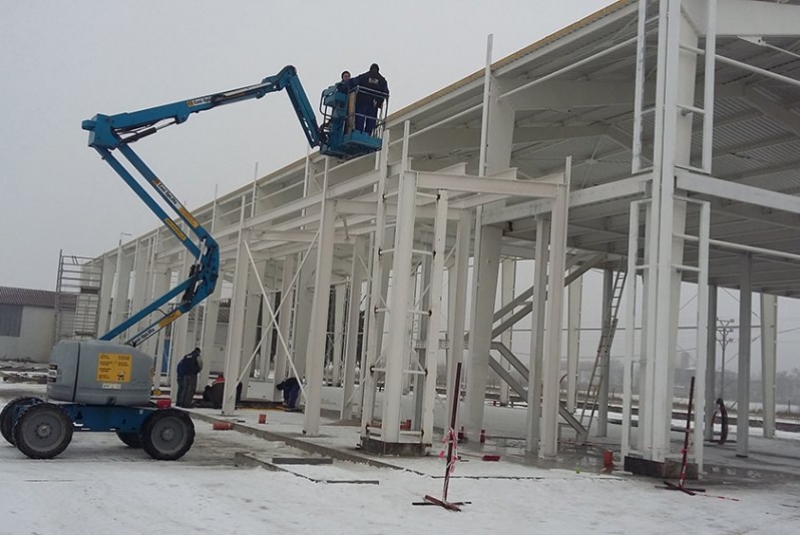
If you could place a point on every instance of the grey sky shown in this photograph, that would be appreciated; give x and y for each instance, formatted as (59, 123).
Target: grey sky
(63, 62)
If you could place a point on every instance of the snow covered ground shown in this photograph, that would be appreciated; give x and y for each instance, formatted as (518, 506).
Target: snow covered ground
(98, 485)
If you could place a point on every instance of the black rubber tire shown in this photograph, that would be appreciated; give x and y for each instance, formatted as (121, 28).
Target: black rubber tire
(6, 422)
(43, 431)
(132, 440)
(167, 434)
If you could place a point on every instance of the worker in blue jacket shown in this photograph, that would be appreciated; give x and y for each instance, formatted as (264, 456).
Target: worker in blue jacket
(371, 93)
(291, 391)
(188, 369)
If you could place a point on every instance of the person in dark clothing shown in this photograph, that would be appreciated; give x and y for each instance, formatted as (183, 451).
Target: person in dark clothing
(344, 84)
(188, 369)
(291, 390)
(372, 91)
(214, 393)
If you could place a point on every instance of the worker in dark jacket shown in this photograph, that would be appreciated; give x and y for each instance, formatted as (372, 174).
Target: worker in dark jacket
(344, 84)
(371, 93)
(291, 390)
(188, 369)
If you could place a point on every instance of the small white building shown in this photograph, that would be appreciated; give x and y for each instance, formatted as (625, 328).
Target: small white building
(26, 324)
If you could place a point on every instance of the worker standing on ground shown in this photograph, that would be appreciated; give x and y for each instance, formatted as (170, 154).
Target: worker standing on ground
(372, 90)
(188, 369)
(291, 390)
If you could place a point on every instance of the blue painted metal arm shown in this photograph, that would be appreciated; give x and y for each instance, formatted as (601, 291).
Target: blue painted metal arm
(155, 305)
(115, 130)
(109, 132)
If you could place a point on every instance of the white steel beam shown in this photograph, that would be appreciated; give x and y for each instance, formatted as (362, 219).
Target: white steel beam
(252, 306)
(487, 260)
(140, 269)
(634, 186)
(233, 350)
(551, 362)
(726, 189)
(745, 339)
(284, 322)
(123, 271)
(378, 284)
(711, 363)
(575, 294)
(179, 333)
(434, 319)
(638, 97)
(338, 334)
(155, 344)
(457, 307)
(209, 335)
(497, 129)
(398, 314)
(357, 272)
(676, 75)
(702, 333)
(304, 296)
(630, 330)
(745, 17)
(471, 184)
(109, 267)
(603, 367)
(533, 414)
(506, 296)
(317, 333)
(769, 346)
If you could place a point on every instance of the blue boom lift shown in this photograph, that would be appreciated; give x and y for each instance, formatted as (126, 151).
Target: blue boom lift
(102, 385)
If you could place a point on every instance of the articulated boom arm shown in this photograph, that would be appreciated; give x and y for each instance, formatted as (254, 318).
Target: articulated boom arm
(109, 132)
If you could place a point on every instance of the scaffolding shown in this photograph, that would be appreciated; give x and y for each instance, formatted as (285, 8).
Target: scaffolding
(77, 303)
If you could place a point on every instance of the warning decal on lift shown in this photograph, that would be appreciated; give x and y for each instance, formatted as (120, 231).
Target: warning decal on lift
(113, 368)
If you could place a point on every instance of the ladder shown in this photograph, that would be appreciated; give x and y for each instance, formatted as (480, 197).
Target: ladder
(77, 303)
(603, 349)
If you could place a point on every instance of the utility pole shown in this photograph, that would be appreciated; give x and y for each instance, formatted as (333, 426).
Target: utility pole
(724, 329)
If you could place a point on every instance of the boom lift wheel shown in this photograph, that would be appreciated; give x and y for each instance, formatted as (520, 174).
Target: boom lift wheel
(7, 416)
(167, 434)
(43, 431)
(132, 440)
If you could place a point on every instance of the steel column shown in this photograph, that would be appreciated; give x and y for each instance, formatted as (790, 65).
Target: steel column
(317, 335)
(378, 285)
(119, 306)
(398, 304)
(711, 363)
(338, 334)
(434, 317)
(284, 322)
(106, 287)
(745, 339)
(769, 346)
(233, 352)
(604, 365)
(179, 333)
(509, 269)
(575, 294)
(357, 272)
(458, 307)
(541, 253)
(551, 362)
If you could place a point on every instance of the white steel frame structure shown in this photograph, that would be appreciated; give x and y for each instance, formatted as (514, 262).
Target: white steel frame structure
(665, 132)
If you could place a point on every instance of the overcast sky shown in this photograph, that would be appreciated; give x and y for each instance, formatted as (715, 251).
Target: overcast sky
(63, 62)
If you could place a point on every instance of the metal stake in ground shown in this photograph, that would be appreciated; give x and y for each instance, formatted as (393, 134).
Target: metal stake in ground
(451, 442)
(682, 481)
